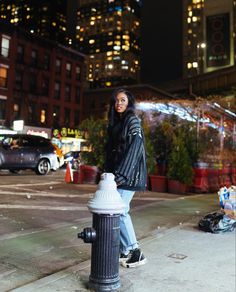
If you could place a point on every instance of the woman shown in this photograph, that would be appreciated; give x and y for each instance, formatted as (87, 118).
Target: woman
(126, 160)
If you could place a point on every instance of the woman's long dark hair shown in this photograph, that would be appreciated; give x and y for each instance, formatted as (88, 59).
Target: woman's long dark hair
(113, 116)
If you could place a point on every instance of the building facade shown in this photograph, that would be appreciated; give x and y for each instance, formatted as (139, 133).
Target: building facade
(209, 29)
(108, 32)
(44, 18)
(40, 81)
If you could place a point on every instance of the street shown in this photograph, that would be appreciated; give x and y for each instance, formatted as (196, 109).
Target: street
(40, 217)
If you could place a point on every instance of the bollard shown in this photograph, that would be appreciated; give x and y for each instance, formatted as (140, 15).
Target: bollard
(106, 207)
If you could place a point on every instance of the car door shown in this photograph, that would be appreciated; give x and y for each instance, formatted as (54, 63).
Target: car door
(11, 157)
(30, 152)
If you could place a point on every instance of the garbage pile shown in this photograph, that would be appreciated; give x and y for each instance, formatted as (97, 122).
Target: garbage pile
(223, 220)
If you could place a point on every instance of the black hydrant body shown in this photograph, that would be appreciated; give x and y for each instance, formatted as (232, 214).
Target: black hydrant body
(106, 207)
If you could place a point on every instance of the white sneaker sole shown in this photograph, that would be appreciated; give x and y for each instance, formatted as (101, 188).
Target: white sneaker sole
(134, 265)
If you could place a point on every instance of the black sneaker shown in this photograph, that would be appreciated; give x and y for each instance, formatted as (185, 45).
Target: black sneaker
(136, 259)
(124, 257)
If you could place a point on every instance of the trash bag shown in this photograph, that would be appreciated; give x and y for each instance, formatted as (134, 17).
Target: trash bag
(217, 222)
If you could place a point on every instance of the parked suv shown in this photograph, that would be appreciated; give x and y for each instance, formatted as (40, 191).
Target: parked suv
(19, 151)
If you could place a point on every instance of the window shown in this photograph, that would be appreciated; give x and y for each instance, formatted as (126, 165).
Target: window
(76, 118)
(5, 44)
(3, 75)
(34, 57)
(19, 79)
(77, 96)
(16, 111)
(45, 85)
(46, 61)
(67, 92)
(67, 117)
(68, 69)
(32, 113)
(20, 53)
(77, 72)
(3, 100)
(57, 90)
(42, 116)
(58, 66)
(33, 83)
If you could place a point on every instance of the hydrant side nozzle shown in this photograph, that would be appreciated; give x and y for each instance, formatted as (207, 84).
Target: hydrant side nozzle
(88, 235)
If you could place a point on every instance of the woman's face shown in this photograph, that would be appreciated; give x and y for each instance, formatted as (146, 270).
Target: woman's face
(121, 102)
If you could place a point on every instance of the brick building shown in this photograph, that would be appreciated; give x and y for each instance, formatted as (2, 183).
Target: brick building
(40, 80)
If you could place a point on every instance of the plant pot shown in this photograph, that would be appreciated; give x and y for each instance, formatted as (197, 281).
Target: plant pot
(158, 183)
(89, 174)
(176, 187)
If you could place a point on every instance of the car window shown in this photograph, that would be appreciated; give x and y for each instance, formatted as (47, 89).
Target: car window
(26, 142)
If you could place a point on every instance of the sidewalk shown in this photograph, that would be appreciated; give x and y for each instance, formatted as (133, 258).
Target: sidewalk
(179, 259)
(180, 256)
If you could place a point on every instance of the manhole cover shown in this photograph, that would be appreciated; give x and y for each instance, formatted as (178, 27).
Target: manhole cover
(178, 256)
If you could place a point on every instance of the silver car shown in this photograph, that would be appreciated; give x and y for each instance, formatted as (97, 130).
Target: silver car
(20, 151)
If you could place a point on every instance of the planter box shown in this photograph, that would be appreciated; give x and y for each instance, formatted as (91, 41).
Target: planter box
(158, 183)
(176, 187)
(87, 174)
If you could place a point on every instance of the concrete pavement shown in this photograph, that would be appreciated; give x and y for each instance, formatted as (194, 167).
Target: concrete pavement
(180, 257)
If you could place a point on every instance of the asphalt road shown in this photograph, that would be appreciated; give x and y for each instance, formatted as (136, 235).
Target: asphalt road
(29, 201)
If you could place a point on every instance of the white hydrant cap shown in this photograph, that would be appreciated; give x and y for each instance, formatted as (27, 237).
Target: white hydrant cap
(106, 199)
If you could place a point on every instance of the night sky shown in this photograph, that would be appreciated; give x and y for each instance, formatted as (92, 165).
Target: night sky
(161, 41)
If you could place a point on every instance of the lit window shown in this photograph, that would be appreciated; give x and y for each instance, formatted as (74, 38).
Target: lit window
(194, 18)
(108, 83)
(195, 64)
(3, 76)
(189, 20)
(5, 46)
(125, 48)
(110, 66)
(116, 48)
(43, 116)
(92, 22)
(91, 41)
(189, 65)
(54, 24)
(125, 37)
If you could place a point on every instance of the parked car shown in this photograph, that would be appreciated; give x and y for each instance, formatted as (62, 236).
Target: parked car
(20, 151)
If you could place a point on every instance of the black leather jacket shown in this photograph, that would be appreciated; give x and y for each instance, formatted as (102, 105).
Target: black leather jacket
(126, 157)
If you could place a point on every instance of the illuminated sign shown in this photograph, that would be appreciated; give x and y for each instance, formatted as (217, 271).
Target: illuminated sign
(218, 40)
(67, 132)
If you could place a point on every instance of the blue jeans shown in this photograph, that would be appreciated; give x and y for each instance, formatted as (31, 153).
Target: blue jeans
(128, 239)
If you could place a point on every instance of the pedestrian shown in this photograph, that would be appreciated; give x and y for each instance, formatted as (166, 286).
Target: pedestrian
(126, 159)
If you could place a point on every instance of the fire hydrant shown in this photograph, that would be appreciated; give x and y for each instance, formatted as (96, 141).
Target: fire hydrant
(106, 207)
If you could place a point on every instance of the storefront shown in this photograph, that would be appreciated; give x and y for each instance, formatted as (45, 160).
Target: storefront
(67, 139)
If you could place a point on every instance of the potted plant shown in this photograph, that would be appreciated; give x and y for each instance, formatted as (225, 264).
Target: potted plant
(93, 154)
(156, 182)
(180, 171)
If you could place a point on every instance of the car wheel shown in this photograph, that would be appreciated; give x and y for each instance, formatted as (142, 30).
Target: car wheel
(43, 167)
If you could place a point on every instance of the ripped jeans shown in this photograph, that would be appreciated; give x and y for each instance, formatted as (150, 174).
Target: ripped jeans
(128, 239)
